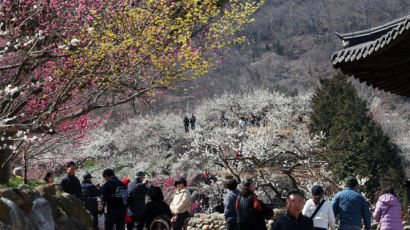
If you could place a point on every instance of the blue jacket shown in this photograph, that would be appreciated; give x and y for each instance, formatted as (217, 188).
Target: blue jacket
(229, 204)
(350, 207)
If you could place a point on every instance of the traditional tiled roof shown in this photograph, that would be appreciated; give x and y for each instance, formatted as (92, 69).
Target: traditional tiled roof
(358, 45)
(379, 56)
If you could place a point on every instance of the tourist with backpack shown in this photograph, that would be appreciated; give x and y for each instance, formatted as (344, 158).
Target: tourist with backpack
(249, 209)
(181, 204)
(155, 207)
(319, 210)
(115, 195)
(388, 210)
(90, 196)
(137, 190)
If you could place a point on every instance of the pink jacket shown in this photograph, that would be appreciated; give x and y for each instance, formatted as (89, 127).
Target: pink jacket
(388, 212)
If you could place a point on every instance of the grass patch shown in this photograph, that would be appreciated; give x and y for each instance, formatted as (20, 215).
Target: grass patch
(16, 181)
(90, 164)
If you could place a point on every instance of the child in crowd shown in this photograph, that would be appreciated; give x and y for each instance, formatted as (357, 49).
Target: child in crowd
(101, 215)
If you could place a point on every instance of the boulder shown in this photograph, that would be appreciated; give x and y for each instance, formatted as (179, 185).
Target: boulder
(4, 211)
(214, 216)
(18, 219)
(46, 190)
(23, 198)
(66, 223)
(42, 214)
(3, 226)
(204, 216)
(206, 221)
(73, 208)
(205, 227)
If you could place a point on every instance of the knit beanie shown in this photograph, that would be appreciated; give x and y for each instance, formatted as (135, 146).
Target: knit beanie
(351, 182)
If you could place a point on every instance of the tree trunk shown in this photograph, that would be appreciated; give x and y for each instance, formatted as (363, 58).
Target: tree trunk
(25, 167)
(4, 167)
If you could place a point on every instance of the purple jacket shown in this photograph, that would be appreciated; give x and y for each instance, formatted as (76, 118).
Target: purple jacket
(388, 212)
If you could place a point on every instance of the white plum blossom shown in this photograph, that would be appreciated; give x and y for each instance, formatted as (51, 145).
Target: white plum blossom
(74, 41)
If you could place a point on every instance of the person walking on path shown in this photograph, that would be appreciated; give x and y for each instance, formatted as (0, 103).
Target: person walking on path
(137, 190)
(249, 209)
(70, 182)
(388, 210)
(251, 121)
(156, 207)
(181, 204)
(128, 219)
(293, 220)
(319, 210)
(186, 124)
(90, 196)
(350, 207)
(192, 120)
(242, 124)
(230, 213)
(223, 121)
(115, 195)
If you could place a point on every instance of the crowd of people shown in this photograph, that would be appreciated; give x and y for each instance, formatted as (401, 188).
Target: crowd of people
(122, 204)
(251, 121)
(243, 210)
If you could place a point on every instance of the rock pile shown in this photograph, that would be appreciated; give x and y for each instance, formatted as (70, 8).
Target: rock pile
(214, 221)
(41, 208)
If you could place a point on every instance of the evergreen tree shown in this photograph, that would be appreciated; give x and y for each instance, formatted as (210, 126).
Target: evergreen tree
(354, 144)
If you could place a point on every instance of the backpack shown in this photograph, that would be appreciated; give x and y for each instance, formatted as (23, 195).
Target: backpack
(121, 196)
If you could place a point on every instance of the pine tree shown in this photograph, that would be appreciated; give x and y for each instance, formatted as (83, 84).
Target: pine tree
(353, 143)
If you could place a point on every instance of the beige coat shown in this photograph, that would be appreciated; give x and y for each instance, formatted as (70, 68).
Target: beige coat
(181, 202)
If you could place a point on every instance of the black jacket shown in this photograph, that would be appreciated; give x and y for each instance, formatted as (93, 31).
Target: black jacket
(72, 185)
(136, 197)
(186, 121)
(288, 222)
(156, 207)
(247, 214)
(90, 196)
(109, 189)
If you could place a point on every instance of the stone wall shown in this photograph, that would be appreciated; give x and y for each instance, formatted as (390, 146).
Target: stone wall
(214, 221)
(41, 208)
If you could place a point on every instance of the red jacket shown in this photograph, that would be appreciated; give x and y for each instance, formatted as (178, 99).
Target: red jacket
(126, 181)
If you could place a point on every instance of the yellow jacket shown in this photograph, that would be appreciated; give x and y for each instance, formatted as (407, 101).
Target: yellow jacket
(181, 202)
